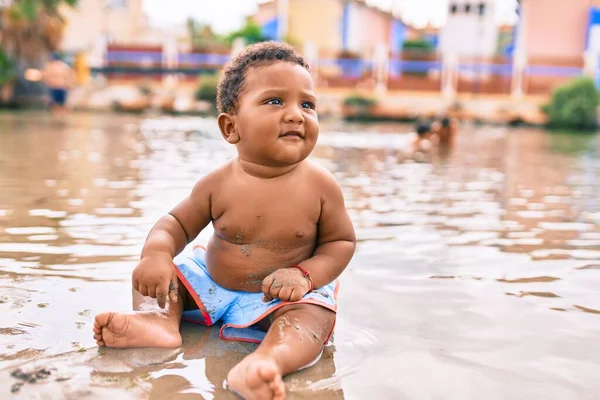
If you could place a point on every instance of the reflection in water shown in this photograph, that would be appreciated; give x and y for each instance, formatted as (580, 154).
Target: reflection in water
(485, 255)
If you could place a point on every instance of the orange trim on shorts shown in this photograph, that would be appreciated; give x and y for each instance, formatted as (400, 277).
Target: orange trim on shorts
(335, 296)
(193, 321)
(207, 319)
(277, 307)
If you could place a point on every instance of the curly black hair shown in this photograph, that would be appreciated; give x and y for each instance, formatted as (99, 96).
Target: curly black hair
(231, 83)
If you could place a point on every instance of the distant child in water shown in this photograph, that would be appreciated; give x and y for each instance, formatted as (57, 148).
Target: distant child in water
(447, 131)
(59, 77)
(281, 237)
(421, 144)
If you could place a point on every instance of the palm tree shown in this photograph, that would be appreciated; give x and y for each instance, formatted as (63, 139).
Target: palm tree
(202, 36)
(29, 31)
(7, 77)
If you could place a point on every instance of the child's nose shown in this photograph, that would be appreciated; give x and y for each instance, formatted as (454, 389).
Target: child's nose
(294, 115)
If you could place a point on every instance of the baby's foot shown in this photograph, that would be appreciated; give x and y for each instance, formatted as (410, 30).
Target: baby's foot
(257, 377)
(138, 329)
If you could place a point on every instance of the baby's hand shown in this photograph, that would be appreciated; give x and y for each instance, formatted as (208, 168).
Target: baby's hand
(155, 276)
(286, 284)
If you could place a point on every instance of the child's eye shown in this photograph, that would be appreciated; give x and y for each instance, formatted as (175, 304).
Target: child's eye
(275, 102)
(308, 104)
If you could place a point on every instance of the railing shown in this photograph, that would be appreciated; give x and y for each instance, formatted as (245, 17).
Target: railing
(407, 71)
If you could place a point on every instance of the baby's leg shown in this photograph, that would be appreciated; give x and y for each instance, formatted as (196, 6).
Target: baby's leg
(152, 328)
(294, 340)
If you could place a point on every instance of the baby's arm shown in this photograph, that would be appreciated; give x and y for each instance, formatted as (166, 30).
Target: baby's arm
(154, 275)
(336, 240)
(183, 223)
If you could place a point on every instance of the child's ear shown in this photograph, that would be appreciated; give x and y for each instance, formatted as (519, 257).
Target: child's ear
(228, 129)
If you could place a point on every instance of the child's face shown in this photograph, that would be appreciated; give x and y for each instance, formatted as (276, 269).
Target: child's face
(276, 118)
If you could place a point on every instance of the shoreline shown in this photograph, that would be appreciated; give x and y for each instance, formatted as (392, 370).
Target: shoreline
(393, 106)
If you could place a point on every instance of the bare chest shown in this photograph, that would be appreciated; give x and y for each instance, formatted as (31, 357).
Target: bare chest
(268, 216)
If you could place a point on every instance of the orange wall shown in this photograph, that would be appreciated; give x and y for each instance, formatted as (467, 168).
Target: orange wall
(378, 26)
(320, 22)
(316, 21)
(86, 22)
(368, 27)
(555, 28)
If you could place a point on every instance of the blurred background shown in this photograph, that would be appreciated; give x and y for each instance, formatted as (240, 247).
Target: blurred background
(496, 61)
(462, 132)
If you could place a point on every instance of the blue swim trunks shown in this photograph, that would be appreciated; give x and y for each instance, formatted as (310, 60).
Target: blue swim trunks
(238, 311)
(58, 96)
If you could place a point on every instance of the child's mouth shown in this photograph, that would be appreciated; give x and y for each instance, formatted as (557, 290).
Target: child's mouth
(292, 135)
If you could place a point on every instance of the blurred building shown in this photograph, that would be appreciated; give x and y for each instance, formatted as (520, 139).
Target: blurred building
(92, 21)
(429, 34)
(334, 25)
(555, 28)
(506, 39)
(113, 32)
(470, 30)
(558, 41)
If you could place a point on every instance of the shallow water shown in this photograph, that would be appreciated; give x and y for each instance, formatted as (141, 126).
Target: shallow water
(476, 273)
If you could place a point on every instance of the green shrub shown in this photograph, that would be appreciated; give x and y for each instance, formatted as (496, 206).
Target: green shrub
(358, 108)
(7, 69)
(573, 105)
(417, 50)
(357, 100)
(207, 90)
(418, 45)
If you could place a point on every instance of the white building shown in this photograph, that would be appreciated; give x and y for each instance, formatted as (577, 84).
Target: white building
(470, 30)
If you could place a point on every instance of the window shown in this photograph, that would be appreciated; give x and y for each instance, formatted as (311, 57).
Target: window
(481, 7)
(116, 4)
(468, 8)
(453, 8)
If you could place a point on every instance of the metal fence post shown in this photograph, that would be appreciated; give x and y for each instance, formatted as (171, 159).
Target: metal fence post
(381, 62)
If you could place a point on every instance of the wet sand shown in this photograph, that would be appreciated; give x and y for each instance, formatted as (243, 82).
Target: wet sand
(476, 274)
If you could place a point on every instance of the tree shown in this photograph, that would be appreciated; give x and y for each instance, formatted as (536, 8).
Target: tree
(251, 33)
(29, 31)
(201, 35)
(7, 77)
